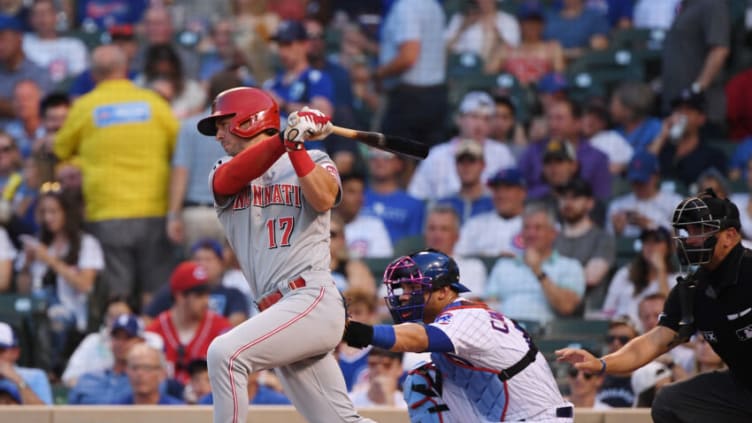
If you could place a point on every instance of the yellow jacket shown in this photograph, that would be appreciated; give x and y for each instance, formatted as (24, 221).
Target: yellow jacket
(124, 137)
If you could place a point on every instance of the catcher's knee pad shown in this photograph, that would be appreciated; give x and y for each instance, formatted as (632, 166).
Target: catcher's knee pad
(422, 392)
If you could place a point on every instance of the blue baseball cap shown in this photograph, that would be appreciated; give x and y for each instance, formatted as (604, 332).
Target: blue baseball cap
(289, 31)
(509, 176)
(209, 244)
(642, 167)
(530, 10)
(7, 336)
(11, 389)
(551, 83)
(128, 323)
(10, 23)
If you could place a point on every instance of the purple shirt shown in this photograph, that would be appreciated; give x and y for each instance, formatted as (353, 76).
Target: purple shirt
(593, 169)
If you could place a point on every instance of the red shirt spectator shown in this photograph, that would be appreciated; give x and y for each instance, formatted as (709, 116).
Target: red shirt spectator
(738, 107)
(188, 327)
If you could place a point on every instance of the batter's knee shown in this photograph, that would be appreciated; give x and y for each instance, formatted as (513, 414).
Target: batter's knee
(219, 352)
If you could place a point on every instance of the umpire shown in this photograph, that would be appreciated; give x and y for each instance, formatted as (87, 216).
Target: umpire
(715, 300)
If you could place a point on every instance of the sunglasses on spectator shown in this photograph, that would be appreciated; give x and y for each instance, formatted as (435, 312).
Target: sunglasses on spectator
(7, 148)
(573, 372)
(622, 339)
(50, 187)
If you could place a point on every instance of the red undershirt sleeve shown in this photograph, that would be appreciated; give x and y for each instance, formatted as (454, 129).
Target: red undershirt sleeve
(248, 165)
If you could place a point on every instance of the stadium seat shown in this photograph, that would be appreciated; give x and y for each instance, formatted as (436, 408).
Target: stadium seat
(409, 245)
(576, 329)
(608, 68)
(377, 266)
(626, 250)
(28, 317)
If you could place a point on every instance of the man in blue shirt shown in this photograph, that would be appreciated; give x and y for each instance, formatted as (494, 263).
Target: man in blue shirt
(107, 387)
(258, 393)
(577, 28)
(299, 84)
(32, 384)
(146, 371)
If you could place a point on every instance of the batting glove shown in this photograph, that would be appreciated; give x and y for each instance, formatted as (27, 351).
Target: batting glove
(306, 124)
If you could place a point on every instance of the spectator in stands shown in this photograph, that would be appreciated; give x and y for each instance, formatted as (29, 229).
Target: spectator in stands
(497, 232)
(619, 13)
(655, 14)
(706, 360)
(366, 100)
(596, 124)
(163, 72)
(577, 28)
(15, 66)
(365, 235)
(651, 271)
(534, 57)
(190, 205)
(560, 166)
(743, 201)
(62, 57)
(10, 175)
(505, 127)
(199, 386)
(583, 387)
(616, 391)
(109, 384)
(9, 394)
(188, 327)
(738, 163)
(123, 133)
(541, 284)
(8, 254)
(31, 383)
(224, 301)
(694, 53)
(711, 178)
(435, 176)
(54, 109)
(70, 178)
(27, 125)
(362, 306)
(26, 197)
(17, 9)
(648, 380)
(347, 272)
(222, 54)
(412, 70)
(473, 197)
(630, 108)
(258, 393)
(738, 109)
(100, 15)
(146, 369)
(62, 264)
(647, 206)
(381, 388)
(401, 213)
(649, 309)
(94, 353)
(159, 29)
(481, 29)
(442, 233)
(253, 23)
(581, 239)
(298, 84)
(122, 36)
(565, 125)
(680, 147)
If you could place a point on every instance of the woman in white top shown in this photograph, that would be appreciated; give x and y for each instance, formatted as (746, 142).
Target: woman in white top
(652, 271)
(62, 263)
(481, 29)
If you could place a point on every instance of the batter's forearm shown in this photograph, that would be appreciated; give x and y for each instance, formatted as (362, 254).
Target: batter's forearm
(639, 351)
(319, 188)
(410, 337)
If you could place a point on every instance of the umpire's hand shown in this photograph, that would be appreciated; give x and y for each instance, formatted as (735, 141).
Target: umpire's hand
(358, 335)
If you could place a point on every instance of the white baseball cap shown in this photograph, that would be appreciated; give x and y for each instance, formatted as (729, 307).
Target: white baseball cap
(478, 102)
(648, 376)
(7, 338)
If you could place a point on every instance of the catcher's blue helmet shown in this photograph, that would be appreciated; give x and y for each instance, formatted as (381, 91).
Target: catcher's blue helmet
(429, 269)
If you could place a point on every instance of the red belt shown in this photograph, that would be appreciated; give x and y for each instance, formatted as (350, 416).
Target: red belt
(269, 300)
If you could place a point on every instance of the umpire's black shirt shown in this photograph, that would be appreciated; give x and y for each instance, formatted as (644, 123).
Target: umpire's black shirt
(723, 311)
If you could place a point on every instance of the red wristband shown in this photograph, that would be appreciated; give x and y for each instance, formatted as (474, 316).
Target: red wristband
(301, 162)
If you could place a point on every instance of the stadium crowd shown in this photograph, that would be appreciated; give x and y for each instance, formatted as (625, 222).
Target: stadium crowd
(563, 133)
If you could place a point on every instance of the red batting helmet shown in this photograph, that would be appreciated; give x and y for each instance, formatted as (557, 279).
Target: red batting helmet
(247, 106)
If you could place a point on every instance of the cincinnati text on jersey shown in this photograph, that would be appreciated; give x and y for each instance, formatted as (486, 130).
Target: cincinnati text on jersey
(268, 195)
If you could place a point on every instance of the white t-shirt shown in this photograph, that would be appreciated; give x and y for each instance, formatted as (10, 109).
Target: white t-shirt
(436, 176)
(7, 251)
(74, 302)
(473, 275)
(63, 57)
(489, 235)
(741, 200)
(366, 236)
(659, 209)
(613, 145)
(471, 39)
(620, 299)
(655, 14)
(359, 397)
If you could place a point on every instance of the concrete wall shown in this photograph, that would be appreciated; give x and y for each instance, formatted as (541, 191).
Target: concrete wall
(267, 414)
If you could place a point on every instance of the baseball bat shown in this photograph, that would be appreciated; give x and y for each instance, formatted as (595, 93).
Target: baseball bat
(390, 143)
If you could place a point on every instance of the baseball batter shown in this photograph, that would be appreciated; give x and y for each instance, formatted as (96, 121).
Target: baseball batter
(273, 199)
(484, 366)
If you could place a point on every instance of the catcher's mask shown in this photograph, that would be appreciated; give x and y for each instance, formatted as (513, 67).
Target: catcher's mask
(415, 275)
(697, 221)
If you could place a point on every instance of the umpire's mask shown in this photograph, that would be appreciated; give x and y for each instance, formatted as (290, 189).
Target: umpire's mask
(696, 222)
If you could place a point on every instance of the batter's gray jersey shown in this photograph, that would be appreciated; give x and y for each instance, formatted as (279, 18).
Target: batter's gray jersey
(276, 234)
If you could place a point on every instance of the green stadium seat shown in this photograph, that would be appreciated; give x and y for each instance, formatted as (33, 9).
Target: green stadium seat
(377, 266)
(625, 250)
(409, 245)
(463, 65)
(608, 68)
(576, 329)
(28, 317)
